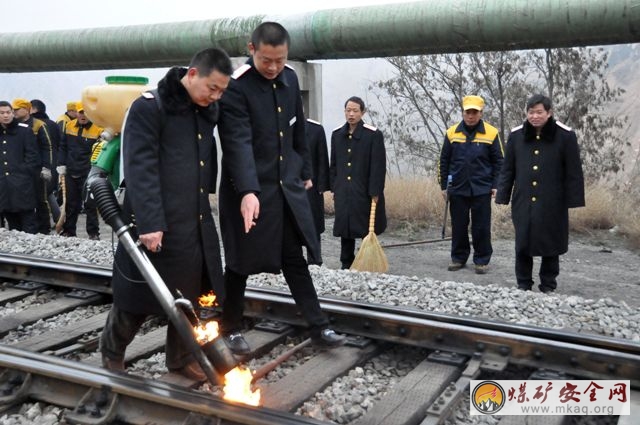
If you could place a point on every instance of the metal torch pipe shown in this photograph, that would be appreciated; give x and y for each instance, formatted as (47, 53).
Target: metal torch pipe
(102, 192)
(167, 302)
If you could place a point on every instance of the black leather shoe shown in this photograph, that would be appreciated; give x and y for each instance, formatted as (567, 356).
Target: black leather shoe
(481, 268)
(114, 365)
(455, 266)
(546, 289)
(237, 344)
(191, 371)
(328, 338)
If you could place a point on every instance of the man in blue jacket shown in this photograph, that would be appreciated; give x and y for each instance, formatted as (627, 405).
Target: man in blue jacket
(470, 161)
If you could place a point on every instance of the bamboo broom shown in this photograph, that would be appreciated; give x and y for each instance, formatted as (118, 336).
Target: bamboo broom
(63, 207)
(371, 257)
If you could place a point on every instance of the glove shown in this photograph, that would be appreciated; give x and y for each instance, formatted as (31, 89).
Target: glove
(45, 174)
(61, 169)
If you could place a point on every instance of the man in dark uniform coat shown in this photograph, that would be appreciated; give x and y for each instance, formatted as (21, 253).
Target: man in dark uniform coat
(543, 169)
(42, 180)
(20, 162)
(170, 168)
(265, 216)
(320, 166)
(357, 168)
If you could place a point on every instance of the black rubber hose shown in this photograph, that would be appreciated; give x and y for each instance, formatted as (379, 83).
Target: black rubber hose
(102, 193)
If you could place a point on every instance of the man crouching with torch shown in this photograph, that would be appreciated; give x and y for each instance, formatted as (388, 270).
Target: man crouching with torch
(170, 167)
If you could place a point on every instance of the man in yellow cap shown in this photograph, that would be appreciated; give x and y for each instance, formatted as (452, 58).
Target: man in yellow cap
(74, 159)
(22, 112)
(470, 162)
(17, 170)
(70, 114)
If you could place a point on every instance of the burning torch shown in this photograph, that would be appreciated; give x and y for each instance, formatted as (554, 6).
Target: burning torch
(214, 356)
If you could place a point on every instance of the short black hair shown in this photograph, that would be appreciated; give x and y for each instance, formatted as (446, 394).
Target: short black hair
(539, 99)
(39, 105)
(5, 103)
(270, 33)
(211, 59)
(356, 99)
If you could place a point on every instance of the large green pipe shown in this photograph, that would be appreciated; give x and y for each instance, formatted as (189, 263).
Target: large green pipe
(432, 26)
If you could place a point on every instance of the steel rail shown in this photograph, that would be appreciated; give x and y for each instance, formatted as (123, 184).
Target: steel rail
(55, 272)
(132, 399)
(498, 342)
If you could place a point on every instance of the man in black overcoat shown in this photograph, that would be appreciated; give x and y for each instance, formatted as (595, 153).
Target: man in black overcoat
(265, 216)
(358, 167)
(20, 163)
(320, 166)
(170, 167)
(542, 168)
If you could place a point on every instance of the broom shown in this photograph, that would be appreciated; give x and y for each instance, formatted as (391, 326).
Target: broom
(370, 257)
(63, 207)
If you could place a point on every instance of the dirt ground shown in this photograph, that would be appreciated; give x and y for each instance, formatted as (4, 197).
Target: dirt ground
(598, 265)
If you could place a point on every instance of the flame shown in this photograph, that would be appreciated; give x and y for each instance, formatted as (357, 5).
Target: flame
(208, 300)
(206, 332)
(237, 387)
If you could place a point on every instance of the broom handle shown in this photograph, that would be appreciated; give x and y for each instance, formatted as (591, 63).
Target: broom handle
(372, 216)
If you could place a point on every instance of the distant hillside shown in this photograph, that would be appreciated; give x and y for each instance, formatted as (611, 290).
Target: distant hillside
(624, 72)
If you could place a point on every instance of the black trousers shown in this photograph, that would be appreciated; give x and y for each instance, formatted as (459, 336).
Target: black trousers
(296, 274)
(478, 209)
(313, 260)
(74, 206)
(24, 221)
(44, 211)
(120, 329)
(347, 252)
(549, 270)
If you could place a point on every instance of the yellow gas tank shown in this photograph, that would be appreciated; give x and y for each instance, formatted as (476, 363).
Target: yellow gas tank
(107, 104)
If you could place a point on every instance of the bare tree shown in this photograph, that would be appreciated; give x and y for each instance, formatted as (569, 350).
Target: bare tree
(423, 100)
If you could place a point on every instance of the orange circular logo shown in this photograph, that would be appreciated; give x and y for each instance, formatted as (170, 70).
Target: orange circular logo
(488, 397)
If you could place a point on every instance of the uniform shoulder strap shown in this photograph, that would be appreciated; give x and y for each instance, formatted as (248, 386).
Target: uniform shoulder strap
(153, 94)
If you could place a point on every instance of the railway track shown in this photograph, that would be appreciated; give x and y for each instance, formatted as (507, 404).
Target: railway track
(61, 366)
